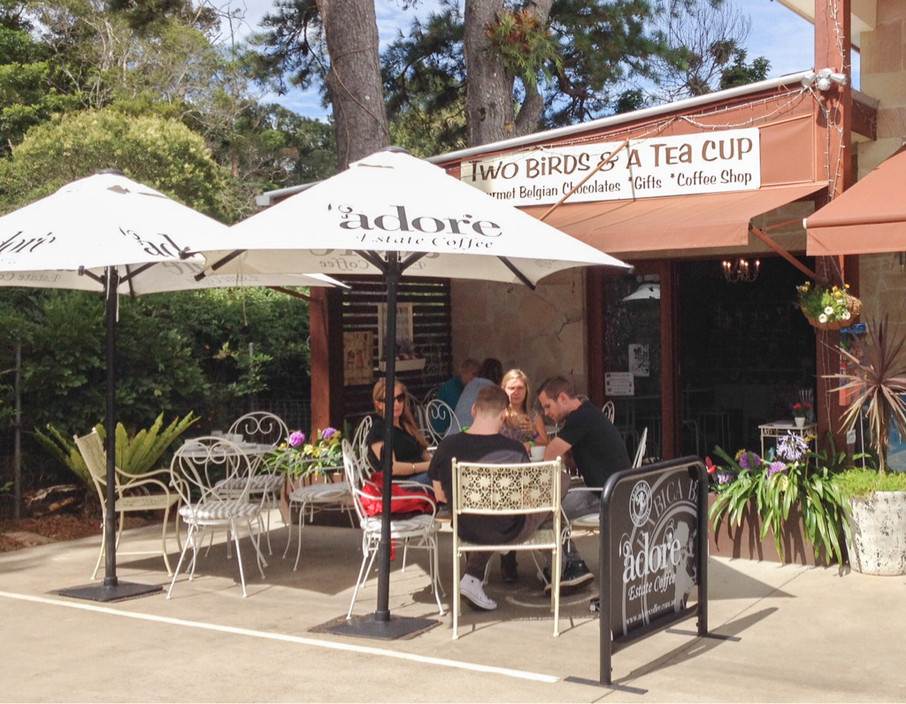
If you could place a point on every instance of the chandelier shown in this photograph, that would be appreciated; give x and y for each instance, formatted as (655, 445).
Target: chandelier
(741, 271)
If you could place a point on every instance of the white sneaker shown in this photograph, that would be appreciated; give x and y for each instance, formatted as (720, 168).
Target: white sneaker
(470, 587)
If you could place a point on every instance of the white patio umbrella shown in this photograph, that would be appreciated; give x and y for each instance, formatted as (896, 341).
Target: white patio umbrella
(110, 234)
(393, 214)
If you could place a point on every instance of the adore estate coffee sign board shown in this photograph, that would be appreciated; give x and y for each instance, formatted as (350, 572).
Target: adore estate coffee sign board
(654, 544)
(710, 162)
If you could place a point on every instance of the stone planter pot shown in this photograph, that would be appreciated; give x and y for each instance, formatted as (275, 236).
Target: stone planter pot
(878, 528)
(745, 541)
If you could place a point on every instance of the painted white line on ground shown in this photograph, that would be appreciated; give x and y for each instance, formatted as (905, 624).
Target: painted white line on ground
(329, 645)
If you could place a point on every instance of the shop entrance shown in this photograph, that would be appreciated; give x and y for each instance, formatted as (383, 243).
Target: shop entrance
(746, 353)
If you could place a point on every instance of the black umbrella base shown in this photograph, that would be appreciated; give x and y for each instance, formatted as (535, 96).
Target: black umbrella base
(369, 627)
(117, 592)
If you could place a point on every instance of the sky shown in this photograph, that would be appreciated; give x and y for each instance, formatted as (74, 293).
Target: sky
(776, 32)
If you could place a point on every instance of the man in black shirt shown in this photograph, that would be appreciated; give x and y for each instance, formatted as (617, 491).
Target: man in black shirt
(598, 450)
(482, 442)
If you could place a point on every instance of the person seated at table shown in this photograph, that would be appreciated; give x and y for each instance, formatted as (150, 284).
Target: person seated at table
(482, 442)
(525, 425)
(521, 423)
(598, 451)
(451, 390)
(491, 372)
(410, 449)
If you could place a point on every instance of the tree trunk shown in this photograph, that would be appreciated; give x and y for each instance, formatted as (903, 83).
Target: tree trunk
(490, 115)
(490, 110)
(354, 81)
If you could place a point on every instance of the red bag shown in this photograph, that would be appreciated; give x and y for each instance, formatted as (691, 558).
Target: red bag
(374, 506)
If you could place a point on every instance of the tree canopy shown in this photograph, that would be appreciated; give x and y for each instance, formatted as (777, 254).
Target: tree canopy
(484, 70)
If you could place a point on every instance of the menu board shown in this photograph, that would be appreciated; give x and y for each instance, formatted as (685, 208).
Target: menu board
(619, 384)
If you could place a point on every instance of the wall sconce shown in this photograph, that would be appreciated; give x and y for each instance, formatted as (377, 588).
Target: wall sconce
(649, 289)
(823, 79)
(741, 271)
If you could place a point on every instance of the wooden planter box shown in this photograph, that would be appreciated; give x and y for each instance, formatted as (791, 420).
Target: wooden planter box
(745, 540)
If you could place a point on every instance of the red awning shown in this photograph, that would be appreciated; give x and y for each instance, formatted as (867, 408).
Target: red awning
(867, 218)
(671, 222)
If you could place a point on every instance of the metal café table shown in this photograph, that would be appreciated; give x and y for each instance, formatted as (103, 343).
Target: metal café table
(779, 428)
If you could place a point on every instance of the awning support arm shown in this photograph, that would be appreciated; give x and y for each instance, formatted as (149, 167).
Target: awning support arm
(601, 165)
(764, 237)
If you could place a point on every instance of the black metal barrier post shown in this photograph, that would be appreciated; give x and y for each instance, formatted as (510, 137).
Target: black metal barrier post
(654, 552)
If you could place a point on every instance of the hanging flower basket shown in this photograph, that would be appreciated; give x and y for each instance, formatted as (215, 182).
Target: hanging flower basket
(828, 308)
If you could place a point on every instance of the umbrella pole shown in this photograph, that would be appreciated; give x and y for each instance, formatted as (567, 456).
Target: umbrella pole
(379, 624)
(382, 612)
(110, 579)
(112, 589)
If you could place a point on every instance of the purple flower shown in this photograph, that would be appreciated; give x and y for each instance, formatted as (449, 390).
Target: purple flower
(296, 439)
(328, 433)
(724, 477)
(791, 447)
(748, 460)
(776, 466)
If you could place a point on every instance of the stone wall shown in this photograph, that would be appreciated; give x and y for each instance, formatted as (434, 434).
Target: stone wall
(541, 332)
(883, 61)
(882, 277)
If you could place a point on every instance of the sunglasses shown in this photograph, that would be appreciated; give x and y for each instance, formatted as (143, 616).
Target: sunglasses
(399, 398)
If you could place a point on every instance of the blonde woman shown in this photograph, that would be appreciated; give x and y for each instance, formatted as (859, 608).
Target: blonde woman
(527, 427)
(521, 423)
(410, 449)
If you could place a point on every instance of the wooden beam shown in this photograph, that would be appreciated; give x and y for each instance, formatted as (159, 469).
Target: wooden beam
(764, 237)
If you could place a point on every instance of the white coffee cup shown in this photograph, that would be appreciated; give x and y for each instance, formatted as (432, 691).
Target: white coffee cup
(537, 453)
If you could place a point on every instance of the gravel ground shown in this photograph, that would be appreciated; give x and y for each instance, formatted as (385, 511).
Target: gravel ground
(26, 532)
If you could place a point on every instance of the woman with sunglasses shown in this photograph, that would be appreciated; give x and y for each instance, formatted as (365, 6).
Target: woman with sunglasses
(410, 449)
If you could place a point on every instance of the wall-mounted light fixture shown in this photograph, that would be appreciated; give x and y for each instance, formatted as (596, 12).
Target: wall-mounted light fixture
(741, 271)
(823, 79)
(649, 289)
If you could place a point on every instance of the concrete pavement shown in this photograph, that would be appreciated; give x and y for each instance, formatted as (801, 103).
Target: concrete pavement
(800, 634)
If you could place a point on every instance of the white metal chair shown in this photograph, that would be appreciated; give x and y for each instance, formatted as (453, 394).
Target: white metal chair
(361, 433)
(609, 410)
(195, 472)
(316, 496)
(263, 428)
(148, 491)
(417, 532)
(504, 490)
(437, 420)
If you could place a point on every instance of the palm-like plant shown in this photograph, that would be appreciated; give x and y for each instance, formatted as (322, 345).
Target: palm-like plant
(135, 454)
(877, 382)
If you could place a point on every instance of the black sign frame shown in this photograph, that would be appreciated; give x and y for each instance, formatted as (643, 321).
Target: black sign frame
(677, 491)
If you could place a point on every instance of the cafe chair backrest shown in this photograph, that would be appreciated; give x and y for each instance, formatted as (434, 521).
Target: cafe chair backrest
(260, 427)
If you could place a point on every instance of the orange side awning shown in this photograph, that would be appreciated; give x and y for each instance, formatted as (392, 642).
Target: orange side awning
(671, 222)
(868, 218)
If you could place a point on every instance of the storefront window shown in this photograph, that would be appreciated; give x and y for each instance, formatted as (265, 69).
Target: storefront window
(632, 354)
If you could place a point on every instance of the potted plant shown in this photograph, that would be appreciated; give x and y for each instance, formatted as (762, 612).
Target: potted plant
(297, 458)
(774, 492)
(828, 308)
(800, 413)
(875, 381)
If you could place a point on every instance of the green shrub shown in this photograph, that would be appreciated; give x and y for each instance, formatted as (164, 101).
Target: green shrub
(863, 482)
